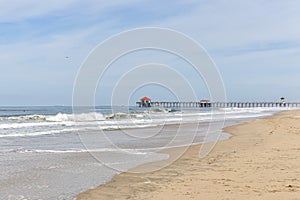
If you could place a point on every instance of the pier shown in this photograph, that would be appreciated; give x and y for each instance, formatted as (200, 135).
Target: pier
(146, 102)
(219, 104)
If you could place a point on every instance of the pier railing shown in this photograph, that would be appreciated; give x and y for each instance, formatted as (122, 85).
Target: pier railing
(221, 104)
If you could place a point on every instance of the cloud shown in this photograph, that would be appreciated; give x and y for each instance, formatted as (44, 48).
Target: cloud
(17, 10)
(232, 24)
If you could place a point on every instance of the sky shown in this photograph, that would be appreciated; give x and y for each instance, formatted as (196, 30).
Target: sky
(255, 45)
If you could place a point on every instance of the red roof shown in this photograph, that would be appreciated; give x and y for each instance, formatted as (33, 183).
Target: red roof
(145, 99)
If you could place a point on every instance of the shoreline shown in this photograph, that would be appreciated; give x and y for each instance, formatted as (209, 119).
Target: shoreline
(232, 170)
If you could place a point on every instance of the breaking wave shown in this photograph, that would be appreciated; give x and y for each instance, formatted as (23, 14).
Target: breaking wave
(60, 117)
(35, 125)
(131, 151)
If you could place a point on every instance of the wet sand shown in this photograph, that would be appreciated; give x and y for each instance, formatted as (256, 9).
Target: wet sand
(260, 161)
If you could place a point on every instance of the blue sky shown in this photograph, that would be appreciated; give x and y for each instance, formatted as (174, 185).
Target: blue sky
(255, 44)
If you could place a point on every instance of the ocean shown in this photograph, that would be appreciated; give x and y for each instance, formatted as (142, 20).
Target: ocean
(46, 152)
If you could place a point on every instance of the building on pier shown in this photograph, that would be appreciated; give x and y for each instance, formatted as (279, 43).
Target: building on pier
(205, 104)
(145, 102)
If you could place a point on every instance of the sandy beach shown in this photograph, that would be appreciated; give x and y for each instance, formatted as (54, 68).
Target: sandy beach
(260, 161)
